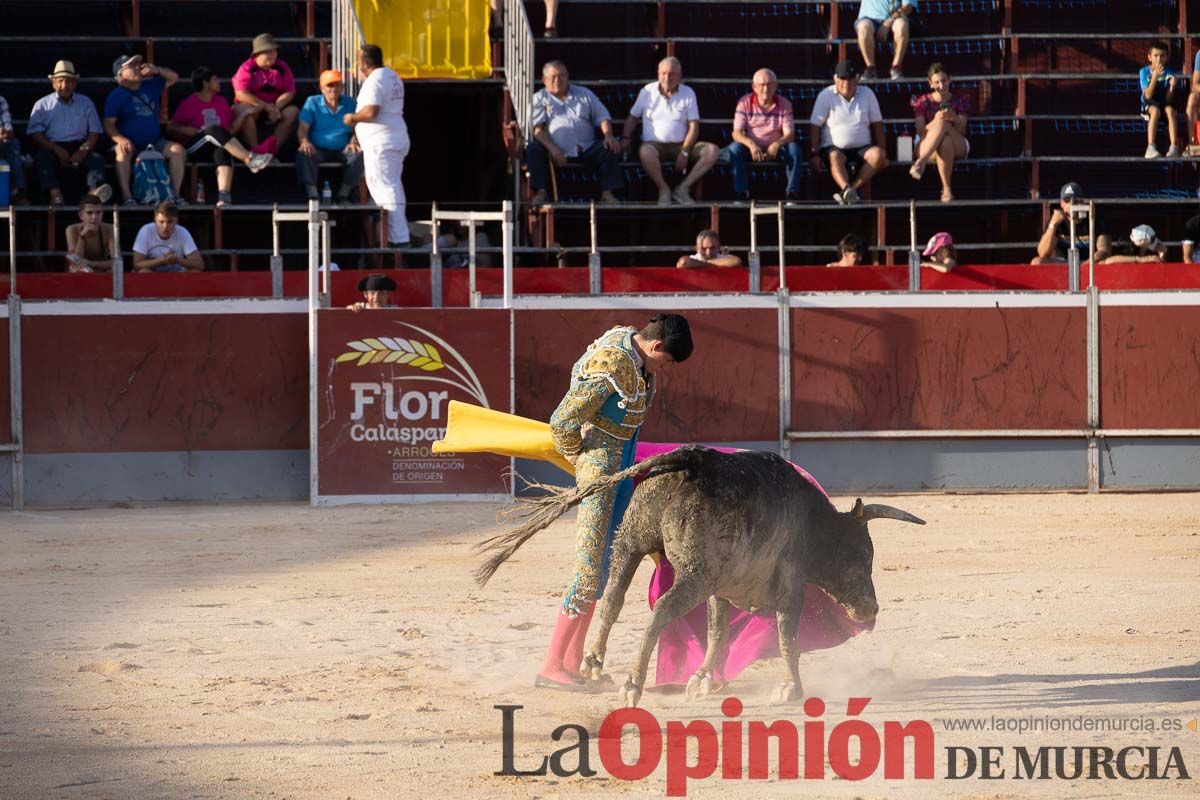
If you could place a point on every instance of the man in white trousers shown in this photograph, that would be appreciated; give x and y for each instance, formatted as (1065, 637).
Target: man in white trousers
(379, 125)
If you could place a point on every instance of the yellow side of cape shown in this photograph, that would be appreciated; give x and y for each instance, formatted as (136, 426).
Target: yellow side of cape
(474, 429)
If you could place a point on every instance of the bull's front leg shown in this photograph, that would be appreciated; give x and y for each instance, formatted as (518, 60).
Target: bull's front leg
(787, 623)
(700, 684)
(687, 593)
(624, 566)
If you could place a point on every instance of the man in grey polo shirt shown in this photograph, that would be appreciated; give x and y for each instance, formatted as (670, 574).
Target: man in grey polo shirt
(847, 131)
(670, 118)
(564, 122)
(65, 127)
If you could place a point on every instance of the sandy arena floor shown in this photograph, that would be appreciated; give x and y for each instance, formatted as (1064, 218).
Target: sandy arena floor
(280, 651)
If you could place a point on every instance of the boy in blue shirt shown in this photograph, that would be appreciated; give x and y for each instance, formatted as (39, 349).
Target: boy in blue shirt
(324, 136)
(1163, 92)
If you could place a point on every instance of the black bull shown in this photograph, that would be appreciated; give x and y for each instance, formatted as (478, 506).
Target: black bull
(743, 529)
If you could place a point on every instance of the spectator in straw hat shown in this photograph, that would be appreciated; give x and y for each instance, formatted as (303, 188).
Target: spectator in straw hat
(377, 293)
(325, 136)
(65, 128)
(264, 88)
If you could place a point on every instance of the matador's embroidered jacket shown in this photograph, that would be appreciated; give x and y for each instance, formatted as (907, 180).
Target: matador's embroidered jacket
(610, 392)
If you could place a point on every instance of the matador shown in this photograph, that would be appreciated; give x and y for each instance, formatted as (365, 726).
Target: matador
(596, 427)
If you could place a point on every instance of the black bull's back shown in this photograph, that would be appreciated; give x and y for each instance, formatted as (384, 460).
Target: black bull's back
(743, 524)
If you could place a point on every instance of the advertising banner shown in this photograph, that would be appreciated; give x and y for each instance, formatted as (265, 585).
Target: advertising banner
(384, 381)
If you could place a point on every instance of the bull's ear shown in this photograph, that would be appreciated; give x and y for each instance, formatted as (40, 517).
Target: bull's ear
(857, 511)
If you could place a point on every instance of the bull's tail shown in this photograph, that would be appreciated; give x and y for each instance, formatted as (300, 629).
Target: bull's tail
(541, 511)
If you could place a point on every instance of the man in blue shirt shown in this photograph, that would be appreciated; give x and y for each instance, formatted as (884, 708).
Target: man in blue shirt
(66, 128)
(876, 18)
(131, 118)
(1163, 93)
(324, 136)
(564, 122)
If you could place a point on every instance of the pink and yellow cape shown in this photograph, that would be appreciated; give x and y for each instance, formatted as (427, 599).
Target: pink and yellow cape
(823, 623)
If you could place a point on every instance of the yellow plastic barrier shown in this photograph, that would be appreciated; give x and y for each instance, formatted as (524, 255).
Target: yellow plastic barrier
(429, 38)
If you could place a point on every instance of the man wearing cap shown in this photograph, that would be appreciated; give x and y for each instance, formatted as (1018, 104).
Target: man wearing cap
(1055, 242)
(325, 136)
(377, 293)
(65, 127)
(939, 252)
(846, 131)
(263, 88)
(383, 135)
(131, 118)
(564, 121)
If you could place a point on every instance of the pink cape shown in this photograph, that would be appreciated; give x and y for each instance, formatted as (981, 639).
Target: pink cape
(823, 623)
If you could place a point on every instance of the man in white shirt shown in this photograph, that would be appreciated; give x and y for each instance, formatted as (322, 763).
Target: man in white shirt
(379, 126)
(670, 118)
(166, 246)
(846, 133)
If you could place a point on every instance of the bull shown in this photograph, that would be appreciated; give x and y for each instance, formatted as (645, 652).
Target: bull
(742, 529)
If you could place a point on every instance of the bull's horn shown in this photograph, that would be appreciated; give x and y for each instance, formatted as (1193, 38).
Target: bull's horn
(875, 511)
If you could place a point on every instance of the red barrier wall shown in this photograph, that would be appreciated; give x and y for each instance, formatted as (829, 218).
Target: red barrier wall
(388, 378)
(239, 381)
(944, 368)
(1150, 366)
(165, 383)
(414, 283)
(727, 391)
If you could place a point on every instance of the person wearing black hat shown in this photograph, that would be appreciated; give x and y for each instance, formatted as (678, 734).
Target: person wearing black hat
(1055, 242)
(596, 427)
(846, 131)
(377, 293)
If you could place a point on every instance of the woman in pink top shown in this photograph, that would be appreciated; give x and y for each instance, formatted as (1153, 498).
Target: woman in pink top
(264, 88)
(203, 124)
(941, 119)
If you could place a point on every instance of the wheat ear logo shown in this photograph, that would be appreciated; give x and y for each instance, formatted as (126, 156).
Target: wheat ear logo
(425, 356)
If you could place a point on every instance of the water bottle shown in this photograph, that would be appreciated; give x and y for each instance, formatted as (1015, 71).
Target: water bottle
(5, 176)
(326, 194)
(200, 198)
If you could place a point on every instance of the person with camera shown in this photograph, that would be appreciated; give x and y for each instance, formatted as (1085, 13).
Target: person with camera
(941, 120)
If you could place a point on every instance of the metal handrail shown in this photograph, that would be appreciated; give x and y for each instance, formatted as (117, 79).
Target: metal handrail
(519, 67)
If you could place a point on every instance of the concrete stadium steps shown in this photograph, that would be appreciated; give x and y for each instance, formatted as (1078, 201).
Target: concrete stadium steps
(1064, 52)
(636, 57)
(38, 18)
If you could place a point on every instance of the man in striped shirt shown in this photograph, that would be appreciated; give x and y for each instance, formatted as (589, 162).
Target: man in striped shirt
(764, 130)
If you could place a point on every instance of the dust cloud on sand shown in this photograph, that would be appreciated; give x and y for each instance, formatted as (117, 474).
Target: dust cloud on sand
(281, 651)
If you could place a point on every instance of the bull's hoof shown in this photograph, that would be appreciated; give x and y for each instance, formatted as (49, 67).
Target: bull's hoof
(787, 692)
(699, 685)
(630, 694)
(593, 668)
